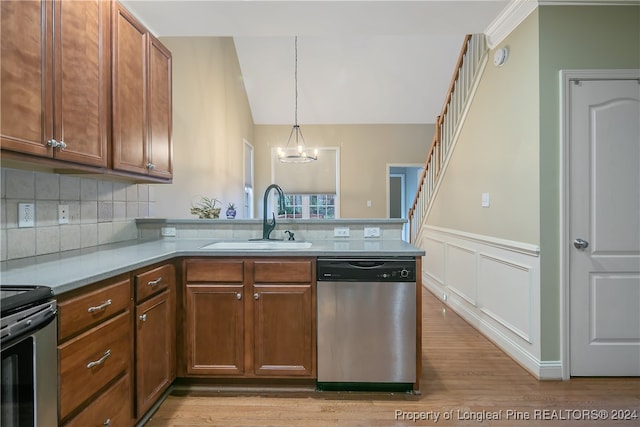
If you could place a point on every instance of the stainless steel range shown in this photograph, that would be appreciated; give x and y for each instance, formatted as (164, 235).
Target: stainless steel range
(29, 358)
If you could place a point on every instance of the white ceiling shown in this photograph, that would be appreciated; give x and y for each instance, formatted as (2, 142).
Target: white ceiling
(359, 62)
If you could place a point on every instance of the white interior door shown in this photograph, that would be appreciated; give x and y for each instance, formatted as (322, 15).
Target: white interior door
(604, 227)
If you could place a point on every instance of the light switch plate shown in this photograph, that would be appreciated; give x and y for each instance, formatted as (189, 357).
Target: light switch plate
(485, 200)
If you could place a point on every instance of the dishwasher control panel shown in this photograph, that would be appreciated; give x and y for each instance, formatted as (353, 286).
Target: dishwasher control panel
(388, 269)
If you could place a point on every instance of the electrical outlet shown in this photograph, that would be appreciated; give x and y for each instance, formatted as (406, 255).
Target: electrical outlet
(372, 232)
(341, 232)
(168, 231)
(63, 214)
(26, 215)
(486, 200)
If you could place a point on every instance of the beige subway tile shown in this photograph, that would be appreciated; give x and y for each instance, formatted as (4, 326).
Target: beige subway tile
(105, 233)
(20, 185)
(47, 240)
(119, 191)
(46, 213)
(47, 186)
(69, 188)
(70, 237)
(132, 193)
(105, 191)
(88, 189)
(21, 242)
(88, 235)
(88, 212)
(143, 192)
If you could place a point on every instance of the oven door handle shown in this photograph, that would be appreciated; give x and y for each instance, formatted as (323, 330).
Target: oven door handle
(27, 322)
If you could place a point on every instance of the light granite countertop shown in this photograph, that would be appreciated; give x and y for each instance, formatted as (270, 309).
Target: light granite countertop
(67, 271)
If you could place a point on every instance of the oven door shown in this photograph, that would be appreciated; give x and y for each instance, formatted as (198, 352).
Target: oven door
(29, 373)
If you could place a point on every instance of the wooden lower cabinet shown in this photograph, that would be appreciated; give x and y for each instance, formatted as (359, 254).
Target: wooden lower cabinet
(215, 335)
(94, 353)
(250, 318)
(283, 324)
(155, 335)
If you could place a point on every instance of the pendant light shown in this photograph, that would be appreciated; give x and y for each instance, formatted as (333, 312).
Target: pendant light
(295, 151)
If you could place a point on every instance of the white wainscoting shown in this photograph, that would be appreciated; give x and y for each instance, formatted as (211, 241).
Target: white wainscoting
(494, 285)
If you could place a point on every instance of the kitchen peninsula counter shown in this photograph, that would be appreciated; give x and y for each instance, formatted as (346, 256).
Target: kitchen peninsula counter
(71, 270)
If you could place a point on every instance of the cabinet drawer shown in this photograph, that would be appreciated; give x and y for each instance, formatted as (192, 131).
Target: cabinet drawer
(215, 271)
(93, 359)
(113, 407)
(289, 271)
(154, 281)
(80, 313)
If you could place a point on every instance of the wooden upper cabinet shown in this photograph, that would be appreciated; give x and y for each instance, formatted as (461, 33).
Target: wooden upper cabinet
(160, 148)
(141, 99)
(55, 84)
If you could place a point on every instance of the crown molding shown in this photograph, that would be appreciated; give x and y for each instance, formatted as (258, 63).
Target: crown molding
(518, 10)
(512, 16)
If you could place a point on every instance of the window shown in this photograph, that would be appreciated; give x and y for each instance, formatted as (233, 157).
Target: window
(248, 180)
(309, 206)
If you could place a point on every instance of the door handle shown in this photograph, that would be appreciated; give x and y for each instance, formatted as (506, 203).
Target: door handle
(580, 243)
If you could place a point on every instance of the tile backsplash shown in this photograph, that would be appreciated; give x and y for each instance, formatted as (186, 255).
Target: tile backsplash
(100, 211)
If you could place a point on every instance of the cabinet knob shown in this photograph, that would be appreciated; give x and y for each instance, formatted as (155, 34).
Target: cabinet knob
(143, 317)
(150, 166)
(256, 296)
(238, 295)
(56, 144)
(107, 422)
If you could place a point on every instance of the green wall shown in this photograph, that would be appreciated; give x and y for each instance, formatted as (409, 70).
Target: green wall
(571, 37)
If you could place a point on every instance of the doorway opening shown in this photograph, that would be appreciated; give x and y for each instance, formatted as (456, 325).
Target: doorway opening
(402, 184)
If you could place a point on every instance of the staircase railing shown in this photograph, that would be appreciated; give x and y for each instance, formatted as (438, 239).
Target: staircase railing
(472, 58)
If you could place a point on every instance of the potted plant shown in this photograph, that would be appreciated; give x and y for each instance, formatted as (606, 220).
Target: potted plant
(231, 211)
(206, 208)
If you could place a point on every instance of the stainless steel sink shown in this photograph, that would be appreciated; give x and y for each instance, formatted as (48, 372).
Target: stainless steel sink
(283, 245)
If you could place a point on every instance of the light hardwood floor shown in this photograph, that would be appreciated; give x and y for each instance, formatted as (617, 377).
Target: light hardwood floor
(465, 378)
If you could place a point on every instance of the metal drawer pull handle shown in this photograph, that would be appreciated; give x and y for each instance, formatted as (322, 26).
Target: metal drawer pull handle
(154, 282)
(99, 361)
(102, 306)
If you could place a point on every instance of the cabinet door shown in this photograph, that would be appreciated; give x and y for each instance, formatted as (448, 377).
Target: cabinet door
(160, 150)
(215, 329)
(154, 350)
(26, 62)
(82, 78)
(129, 92)
(284, 331)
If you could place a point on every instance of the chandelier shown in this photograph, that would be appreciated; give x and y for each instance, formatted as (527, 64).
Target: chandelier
(295, 151)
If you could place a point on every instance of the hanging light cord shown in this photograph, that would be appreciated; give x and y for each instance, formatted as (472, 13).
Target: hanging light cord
(295, 78)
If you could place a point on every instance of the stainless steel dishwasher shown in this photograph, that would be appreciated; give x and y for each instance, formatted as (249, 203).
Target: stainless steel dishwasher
(366, 323)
